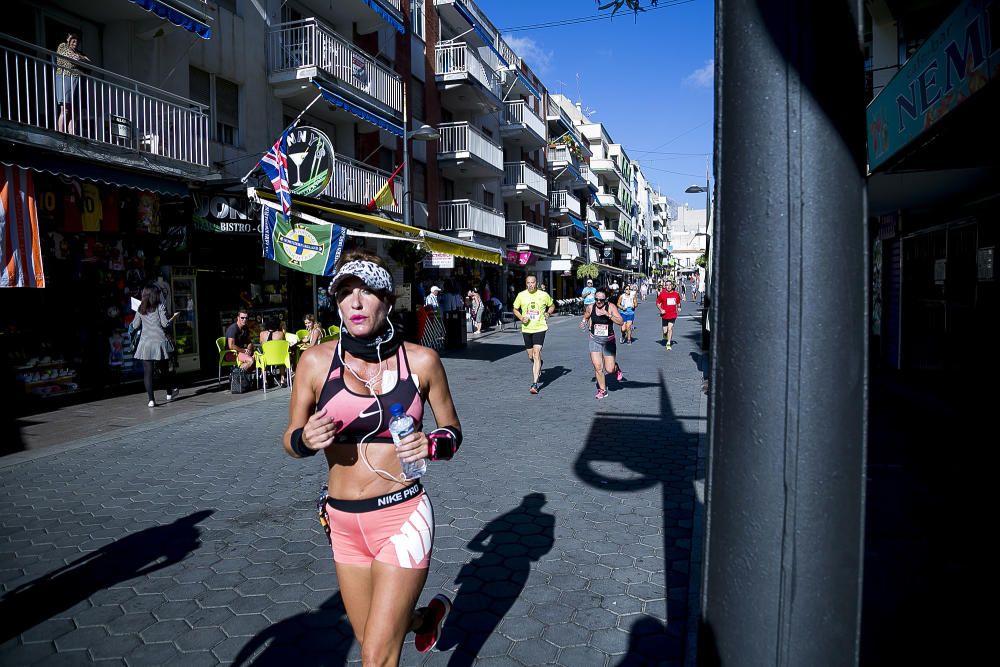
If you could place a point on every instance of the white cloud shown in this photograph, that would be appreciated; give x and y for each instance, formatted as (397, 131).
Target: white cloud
(702, 77)
(538, 59)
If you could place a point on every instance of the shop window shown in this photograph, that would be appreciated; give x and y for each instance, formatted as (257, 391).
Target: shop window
(221, 97)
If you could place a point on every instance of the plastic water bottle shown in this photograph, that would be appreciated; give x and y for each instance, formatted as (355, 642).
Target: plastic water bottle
(401, 425)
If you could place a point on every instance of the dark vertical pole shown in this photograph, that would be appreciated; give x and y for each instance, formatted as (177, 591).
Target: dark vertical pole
(785, 492)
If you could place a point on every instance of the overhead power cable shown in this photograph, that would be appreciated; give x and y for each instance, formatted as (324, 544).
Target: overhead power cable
(587, 19)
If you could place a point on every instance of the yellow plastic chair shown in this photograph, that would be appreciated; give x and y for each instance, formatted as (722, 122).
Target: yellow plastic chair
(220, 345)
(273, 353)
(334, 331)
(303, 334)
(293, 339)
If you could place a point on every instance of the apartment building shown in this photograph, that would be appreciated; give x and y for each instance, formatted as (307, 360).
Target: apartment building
(138, 150)
(687, 234)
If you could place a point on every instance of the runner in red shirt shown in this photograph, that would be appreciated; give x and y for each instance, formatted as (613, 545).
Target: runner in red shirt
(668, 302)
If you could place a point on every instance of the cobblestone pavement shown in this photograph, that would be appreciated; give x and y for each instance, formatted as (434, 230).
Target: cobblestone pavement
(567, 528)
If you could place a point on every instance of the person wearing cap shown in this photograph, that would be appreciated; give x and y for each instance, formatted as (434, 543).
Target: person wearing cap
(432, 299)
(588, 293)
(380, 523)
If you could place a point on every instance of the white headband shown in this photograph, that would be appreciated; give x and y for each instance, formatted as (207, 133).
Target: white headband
(370, 273)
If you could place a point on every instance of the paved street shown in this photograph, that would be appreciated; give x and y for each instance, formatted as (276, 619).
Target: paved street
(567, 529)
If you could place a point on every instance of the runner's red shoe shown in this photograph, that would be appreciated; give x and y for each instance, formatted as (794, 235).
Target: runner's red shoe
(429, 633)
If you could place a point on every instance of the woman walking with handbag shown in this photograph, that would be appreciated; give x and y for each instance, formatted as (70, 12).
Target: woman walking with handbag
(154, 348)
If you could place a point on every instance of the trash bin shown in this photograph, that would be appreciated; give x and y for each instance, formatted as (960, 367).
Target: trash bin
(455, 334)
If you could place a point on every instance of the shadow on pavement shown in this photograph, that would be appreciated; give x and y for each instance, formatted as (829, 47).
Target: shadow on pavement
(484, 352)
(132, 556)
(491, 584)
(319, 637)
(651, 458)
(549, 375)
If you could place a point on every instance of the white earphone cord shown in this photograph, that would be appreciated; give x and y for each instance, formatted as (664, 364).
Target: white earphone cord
(370, 385)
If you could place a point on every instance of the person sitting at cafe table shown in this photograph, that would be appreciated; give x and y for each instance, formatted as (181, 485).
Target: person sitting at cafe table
(238, 343)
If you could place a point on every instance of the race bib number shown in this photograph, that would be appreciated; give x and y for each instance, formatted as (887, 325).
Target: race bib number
(671, 301)
(533, 315)
(601, 330)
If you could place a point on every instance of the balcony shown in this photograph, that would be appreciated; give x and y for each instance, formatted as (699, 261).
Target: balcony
(554, 113)
(463, 215)
(526, 234)
(108, 109)
(300, 50)
(563, 202)
(568, 247)
(358, 183)
(589, 176)
(522, 181)
(465, 152)
(522, 126)
(608, 167)
(615, 238)
(458, 65)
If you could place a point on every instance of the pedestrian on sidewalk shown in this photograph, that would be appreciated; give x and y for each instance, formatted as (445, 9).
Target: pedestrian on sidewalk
(600, 319)
(476, 311)
(154, 349)
(380, 522)
(531, 307)
(668, 302)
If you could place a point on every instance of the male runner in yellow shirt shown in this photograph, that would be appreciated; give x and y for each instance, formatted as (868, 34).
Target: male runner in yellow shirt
(531, 307)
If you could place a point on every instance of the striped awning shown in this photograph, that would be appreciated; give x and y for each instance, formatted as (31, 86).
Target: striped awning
(433, 241)
(390, 19)
(169, 11)
(365, 115)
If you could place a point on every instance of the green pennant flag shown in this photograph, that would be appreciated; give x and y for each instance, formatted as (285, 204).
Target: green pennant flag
(302, 246)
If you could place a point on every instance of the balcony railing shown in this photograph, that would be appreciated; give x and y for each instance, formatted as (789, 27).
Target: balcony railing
(568, 247)
(589, 176)
(464, 138)
(458, 58)
(357, 182)
(525, 233)
(310, 43)
(522, 173)
(592, 216)
(466, 215)
(395, 4)
(563, 199)
(519, 113)
(607, 166)
(555, 112)
(561, 154)
(102, 106)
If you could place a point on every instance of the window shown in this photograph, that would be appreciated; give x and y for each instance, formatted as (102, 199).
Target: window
(227, 111)
(418, 181)
(417, 16)
(222, 98)
(416, 101)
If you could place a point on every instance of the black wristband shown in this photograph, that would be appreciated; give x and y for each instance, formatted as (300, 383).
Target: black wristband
(298, 447)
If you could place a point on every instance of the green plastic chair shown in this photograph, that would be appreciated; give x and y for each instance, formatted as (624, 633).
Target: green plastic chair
(303, 334)
(334, 331)
(327, 339)
(273, 353)
(220, 345)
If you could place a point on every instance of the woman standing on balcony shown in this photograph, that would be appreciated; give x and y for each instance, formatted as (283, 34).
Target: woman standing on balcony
(67, 80)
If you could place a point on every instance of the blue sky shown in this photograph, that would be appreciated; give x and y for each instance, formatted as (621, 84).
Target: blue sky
(648, 79)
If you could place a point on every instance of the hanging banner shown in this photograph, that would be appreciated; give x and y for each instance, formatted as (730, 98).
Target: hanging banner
(519, 258)
(19, 241)
(302, 246)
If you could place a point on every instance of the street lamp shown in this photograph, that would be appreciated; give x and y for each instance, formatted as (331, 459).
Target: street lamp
(706, 299)
(423, 133)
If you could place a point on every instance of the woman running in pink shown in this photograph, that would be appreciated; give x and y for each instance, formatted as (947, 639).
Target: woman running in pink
(381, 523)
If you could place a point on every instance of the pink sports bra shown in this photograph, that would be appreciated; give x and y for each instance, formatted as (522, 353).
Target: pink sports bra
(359, 413)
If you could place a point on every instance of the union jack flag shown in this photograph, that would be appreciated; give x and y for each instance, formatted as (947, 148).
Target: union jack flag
(275, 165)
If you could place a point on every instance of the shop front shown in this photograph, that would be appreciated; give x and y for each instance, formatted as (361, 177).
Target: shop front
(102, 239)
